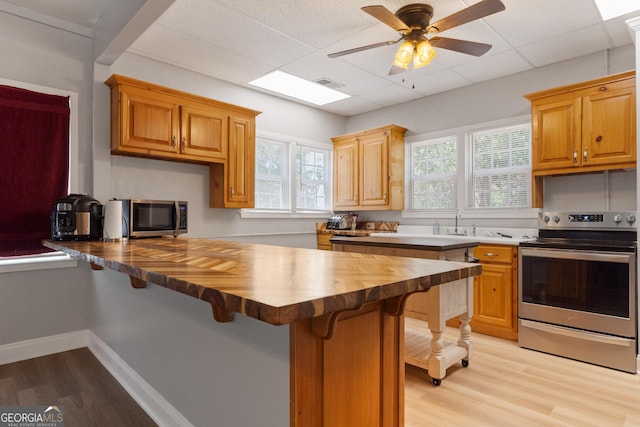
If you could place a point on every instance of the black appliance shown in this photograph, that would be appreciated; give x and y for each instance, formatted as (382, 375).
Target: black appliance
(577, 288)
(153, 218)
(76, 217)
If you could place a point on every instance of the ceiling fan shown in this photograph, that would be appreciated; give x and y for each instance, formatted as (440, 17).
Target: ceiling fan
(413, 23)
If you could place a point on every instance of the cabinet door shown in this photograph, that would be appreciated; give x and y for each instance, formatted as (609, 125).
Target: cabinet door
(608, 126)
(203, 132)
(150, 122)
(493, 298)
(374, 170)
(556, 132)
(241, 162)
(345, 177)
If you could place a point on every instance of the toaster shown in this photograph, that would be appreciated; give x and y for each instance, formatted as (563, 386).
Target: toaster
(76, 217)
(341, 221)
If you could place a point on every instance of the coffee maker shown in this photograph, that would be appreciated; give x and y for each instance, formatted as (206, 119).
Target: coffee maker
(76, 217)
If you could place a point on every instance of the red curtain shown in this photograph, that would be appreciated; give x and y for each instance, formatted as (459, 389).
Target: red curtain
(34, 166)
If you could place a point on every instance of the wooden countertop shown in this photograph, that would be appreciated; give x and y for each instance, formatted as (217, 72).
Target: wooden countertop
(425, 243)
(274, 284)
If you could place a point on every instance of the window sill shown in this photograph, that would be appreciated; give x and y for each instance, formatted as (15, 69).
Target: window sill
(254, 213)
(36, 262)
(474, 214)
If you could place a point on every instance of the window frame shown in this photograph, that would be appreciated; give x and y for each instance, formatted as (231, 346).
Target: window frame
(49, 260)
(463, 177)
(293, 143)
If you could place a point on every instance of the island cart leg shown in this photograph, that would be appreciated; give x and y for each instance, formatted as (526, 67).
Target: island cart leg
(354, 377)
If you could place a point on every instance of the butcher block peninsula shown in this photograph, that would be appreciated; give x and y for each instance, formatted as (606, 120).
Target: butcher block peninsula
(343, 312)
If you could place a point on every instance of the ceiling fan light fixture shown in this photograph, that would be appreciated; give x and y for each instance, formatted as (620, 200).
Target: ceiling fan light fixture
(403, 55)
(424, 54)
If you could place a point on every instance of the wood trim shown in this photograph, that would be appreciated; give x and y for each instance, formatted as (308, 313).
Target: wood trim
(356, 377)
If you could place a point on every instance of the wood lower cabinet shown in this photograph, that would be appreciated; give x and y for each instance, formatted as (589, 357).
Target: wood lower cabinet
(585, 127)
(495, 292)
(369, 169)
(323, 241)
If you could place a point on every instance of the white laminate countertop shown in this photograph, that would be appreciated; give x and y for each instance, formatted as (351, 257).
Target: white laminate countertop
(482, 234)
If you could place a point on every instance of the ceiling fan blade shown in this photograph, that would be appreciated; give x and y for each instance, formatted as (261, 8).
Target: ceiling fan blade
(473, 12)
(384, 15)
(361, 48)
(463, 46)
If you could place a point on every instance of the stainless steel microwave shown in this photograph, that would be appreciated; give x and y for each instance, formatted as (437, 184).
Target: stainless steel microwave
(153, 218)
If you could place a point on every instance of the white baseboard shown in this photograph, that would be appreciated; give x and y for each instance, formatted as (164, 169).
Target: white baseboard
(152, 402)
(158, 408)
(28, 349)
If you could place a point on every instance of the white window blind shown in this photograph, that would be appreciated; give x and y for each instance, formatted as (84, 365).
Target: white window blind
(312, 178)
(433, 174)
(272, 175)
(501, 167)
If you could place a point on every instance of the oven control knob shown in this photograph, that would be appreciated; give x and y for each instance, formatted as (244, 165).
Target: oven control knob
(546, 218)
(556, 219)
(631, 219)
(617, 219)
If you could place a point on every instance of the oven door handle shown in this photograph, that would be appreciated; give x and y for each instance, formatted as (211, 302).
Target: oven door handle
(621, 257)
(591, 336)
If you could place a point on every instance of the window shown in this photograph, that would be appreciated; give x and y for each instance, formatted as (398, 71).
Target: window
(312, 178)
(49, 260)
(480, 170)
(272, 174)
(501, 168)
(292, 176)
(433, 174)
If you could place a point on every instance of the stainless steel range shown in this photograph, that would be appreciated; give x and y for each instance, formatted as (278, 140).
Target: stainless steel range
(577, 288)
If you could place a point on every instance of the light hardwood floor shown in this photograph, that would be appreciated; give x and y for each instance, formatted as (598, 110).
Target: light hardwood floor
(506, 385)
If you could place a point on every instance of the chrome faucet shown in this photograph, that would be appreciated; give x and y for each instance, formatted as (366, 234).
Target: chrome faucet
(457, 215)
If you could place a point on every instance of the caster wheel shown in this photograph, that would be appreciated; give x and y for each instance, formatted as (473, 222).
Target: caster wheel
(436, 382)
(465, 363)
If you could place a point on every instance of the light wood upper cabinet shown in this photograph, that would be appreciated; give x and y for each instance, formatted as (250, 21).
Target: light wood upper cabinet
(585, 127)
(238, 178)
(369, 169)
(152, 121)
(204, 131)
(163, 123)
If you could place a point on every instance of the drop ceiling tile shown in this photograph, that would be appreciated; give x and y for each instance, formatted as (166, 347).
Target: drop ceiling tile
(570, 45)
(221, 26)
(441, 81)
(392, 94)
(182, 50)
(526, 22)
(351, 106)
(352, 79)
(498, 65)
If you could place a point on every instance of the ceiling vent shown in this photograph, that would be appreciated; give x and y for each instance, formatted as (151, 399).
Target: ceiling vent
(323, 81)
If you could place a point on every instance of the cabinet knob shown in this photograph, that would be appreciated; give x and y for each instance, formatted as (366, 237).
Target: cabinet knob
(184, 142)
(385, 197)
(173, 141)
(490, 254)
(599, 138)
(584, 153)
(355, 197)
(575, 156)
(231, 191)
(602, 88)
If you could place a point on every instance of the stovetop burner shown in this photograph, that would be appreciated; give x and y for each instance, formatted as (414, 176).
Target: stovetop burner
(598, 231)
